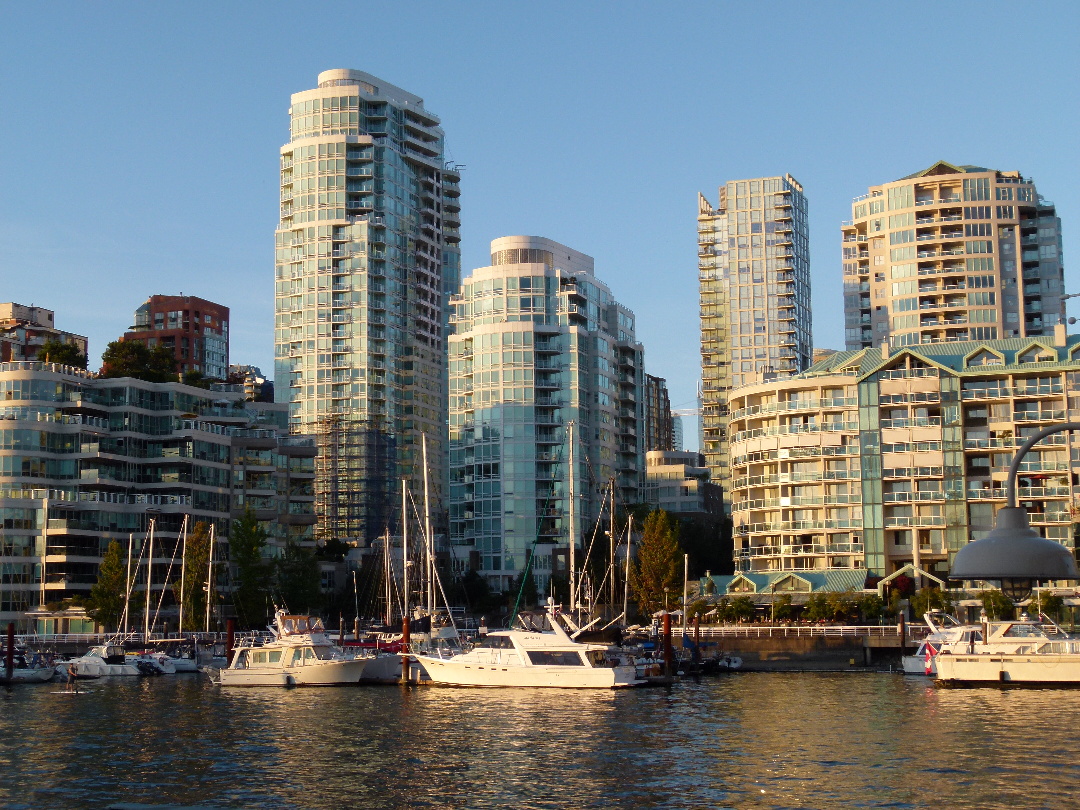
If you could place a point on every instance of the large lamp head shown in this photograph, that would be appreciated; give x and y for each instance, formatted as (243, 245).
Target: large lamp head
(1014, 554)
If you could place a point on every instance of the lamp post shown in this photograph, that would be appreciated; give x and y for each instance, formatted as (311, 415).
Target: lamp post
(1014, 553)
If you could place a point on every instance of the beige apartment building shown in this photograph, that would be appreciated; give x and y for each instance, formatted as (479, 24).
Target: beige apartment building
(951, 253)
(878, 458)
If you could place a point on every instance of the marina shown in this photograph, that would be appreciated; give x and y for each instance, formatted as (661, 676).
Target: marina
(744, 740)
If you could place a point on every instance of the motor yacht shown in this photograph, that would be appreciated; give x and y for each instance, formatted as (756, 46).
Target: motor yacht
(541, 653)
(1015, 652)
(99, 662)
(299, 653)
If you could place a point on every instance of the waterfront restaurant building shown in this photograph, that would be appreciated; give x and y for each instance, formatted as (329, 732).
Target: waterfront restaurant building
(877, 459)
(538, 342)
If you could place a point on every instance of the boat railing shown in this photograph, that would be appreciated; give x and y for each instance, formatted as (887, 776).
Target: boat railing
(914, 632)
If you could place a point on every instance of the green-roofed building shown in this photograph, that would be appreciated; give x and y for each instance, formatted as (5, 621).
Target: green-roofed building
(879, 458)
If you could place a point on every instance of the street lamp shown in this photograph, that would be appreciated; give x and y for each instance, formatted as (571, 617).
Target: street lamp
(1013, 552)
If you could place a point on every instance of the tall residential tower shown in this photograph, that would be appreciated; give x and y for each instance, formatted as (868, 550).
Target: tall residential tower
(366, 257)
(951, 253)
(754, 276)
(539, 343)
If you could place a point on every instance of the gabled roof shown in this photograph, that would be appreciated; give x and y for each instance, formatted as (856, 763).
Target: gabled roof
(942, 167)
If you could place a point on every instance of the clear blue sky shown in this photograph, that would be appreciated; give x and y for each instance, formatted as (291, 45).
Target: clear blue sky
(140, 140)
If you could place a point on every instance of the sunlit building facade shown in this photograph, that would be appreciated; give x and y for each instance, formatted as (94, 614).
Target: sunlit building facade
(366, 258)
(951, 253)
(541, 355)
(85, 461)
(881, 460)
(754, 277)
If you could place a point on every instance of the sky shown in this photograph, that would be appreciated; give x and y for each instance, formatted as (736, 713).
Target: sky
(141, 140)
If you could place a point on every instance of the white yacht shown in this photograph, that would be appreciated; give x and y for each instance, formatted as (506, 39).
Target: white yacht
(1016, 652)
(536, 655)
(301, 653)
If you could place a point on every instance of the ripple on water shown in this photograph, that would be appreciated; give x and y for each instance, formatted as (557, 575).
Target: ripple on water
(755, 740)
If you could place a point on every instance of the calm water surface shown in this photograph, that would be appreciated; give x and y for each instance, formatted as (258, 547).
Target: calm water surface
(761, 740)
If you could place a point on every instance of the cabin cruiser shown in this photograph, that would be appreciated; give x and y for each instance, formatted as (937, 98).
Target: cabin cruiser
(1015, 652)
(541, 653)
(101, 661)
(299, 653)
(948, 636)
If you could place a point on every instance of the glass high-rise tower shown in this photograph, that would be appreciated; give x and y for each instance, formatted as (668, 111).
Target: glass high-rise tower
(539, 342)
(754, 277)
(367, 254)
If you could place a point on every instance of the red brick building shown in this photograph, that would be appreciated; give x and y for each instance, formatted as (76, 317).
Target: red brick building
(195, 329)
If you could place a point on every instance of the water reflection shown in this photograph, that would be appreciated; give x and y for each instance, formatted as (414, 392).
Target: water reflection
(752, 740)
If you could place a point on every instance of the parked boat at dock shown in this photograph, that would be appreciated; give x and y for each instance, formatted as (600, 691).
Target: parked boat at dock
(300, 653)
(1015, 652)
(101, 661)
(540, 654)
(28, 668)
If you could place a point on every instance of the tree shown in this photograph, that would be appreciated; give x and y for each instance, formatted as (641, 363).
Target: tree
(252, 573)
(131, 358)
(817, 608)
(657, 567)
(108, 593)
(742, 609)
(297, 579)
(61, 353)
(1049, 604)
(525, 585)
(781, 609)
(927, 599)
(189, 590)
(871, 607)
(196, 379)
(996, 604)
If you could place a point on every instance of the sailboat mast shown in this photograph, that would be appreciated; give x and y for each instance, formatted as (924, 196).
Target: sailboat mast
(149, 581)
(611, 551)
(626, 586)
(573, 519)
(405, 547)
(430, 546)
(183, 571)
(127, 589)
(386, 575)
(210, 577)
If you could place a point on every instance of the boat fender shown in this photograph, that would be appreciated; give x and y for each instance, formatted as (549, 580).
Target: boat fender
(290, 680)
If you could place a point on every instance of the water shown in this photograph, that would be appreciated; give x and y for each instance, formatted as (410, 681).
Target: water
(759, 740)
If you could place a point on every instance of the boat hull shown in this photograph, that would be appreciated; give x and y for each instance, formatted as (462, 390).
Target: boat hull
(30, 675)
(916, 665)
(1019, 669)
(448, 672)
(384, 668)
(324, 673)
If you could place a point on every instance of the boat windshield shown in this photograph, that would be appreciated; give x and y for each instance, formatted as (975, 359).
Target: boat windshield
(1024, 631)
(496, 642)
